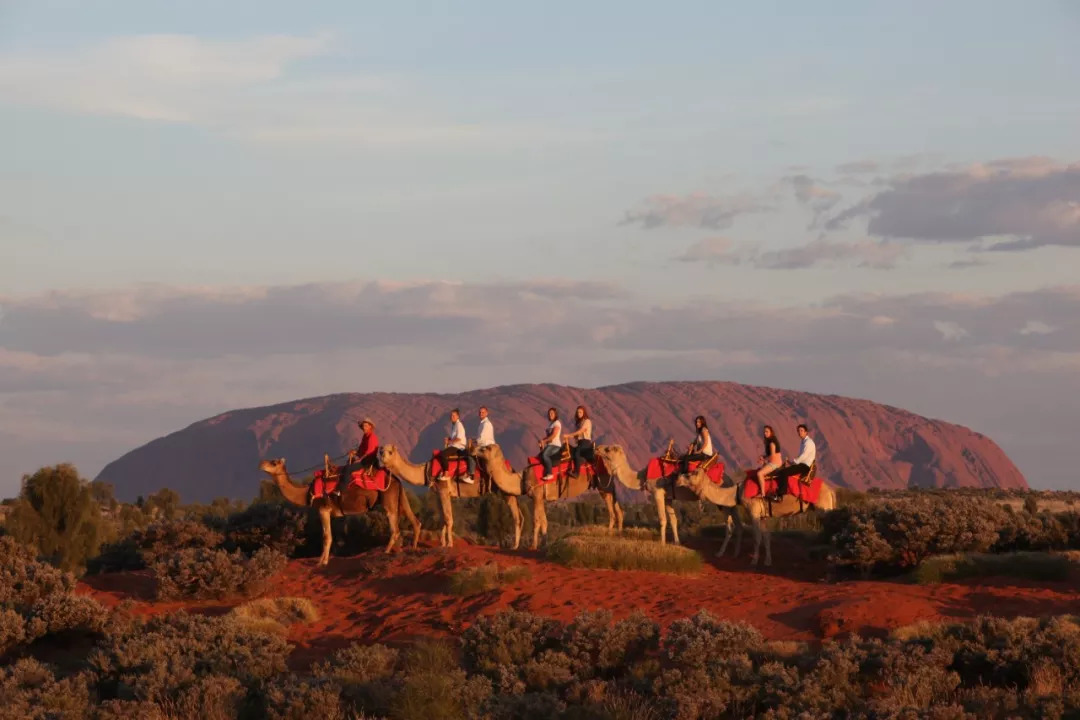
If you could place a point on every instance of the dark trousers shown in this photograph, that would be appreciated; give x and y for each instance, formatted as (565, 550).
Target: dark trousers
(447, 454)
(548, 456)
(786, 472)
(693, 457)
(582, 452)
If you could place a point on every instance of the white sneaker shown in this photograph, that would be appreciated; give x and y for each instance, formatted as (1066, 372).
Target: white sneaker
(549, 477)
(443, 478)
(467, 479)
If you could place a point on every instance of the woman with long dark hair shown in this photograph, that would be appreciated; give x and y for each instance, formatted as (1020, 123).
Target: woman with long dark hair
(551, 445)
(771, 459)
(583, 450)
(701, 448)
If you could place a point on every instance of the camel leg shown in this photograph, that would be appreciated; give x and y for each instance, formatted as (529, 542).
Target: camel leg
(674, 520)
(519, 519)
(768, 544)
(324, 517)
(756, 519)
(539, 516)
(395, 530)
(738, 531)
(619, 515)
(407, 512)
(609, 500)
(658, 495)
(446, 538)
(727, 535)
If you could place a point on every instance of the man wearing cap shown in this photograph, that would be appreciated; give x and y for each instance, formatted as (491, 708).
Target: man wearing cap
(365, 457)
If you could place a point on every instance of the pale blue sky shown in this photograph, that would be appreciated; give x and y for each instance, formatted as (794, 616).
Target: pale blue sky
(252, 144)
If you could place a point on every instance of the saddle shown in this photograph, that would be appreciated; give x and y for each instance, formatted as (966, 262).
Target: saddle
(807, 488)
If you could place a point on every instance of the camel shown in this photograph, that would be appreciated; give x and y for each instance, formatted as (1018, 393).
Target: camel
(663, 491)
(391, 459)
(758, 507)
(572, 486)
(353, 501)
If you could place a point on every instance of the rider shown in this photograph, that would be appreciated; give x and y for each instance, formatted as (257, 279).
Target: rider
(455, 445)
(799, 465)
(485, 435)
(700, 449)
(551, 444)
(771, 459)
(583, 450)
(365, 457)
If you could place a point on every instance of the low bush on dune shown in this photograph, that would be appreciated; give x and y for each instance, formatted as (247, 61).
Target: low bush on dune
(1021, 565)
(200, 574)
(147, 546)
(475, 580)
(272, 525)
(613, 552)
(37, 600)
(275, 615)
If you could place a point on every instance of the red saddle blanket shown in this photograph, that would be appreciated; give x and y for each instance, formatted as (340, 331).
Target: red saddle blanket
(795, 486)
(455, 467)
(378, 480)
(661, 468)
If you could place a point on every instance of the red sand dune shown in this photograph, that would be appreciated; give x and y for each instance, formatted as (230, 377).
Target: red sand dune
(376, 598)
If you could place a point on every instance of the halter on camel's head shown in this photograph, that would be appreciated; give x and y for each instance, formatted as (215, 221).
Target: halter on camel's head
(274, 464)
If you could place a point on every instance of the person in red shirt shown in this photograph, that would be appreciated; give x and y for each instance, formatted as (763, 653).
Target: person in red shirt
(365, 457)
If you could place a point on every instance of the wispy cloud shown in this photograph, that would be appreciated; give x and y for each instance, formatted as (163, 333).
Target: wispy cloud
(700, 210)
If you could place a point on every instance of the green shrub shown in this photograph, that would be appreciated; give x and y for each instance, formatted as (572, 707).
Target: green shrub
(199, 573)
(613, 552)
(57, 513)
(154, 659)
(159, 540)
(475, 580)
(1023, 565)
(267, 525)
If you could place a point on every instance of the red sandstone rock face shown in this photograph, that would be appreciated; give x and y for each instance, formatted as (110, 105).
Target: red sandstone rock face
(860, 444)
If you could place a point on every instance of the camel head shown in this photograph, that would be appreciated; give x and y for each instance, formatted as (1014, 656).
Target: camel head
(389, 455)
(490, 454)
(694, 481)
(611, 455)
(273, 467)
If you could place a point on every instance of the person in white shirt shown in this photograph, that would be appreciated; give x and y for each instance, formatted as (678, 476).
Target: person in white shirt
(799, 465)
(485, 435)
(455, 444)
(551, 444)
(583, 451)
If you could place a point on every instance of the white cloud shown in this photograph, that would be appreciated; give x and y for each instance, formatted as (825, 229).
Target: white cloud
(1036, 327)
(950, 330)
(256, 89)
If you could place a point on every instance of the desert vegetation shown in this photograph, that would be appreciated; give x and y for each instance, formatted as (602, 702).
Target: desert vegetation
(64, 655)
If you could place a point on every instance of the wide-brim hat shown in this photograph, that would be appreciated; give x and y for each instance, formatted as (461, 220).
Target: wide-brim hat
(367, 420)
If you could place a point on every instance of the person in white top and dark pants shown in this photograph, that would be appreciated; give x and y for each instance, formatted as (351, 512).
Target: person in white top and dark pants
(583, 451)
(551, 444)
(799, 465)
(485, 435)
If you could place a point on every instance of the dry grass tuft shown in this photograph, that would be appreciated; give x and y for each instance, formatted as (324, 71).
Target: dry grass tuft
(592, 550)
(787, 649)
(274, 615)
(1022, 565)
(475, 580)
(924, 629)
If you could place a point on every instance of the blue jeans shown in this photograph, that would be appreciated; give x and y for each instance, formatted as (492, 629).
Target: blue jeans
(548, 456)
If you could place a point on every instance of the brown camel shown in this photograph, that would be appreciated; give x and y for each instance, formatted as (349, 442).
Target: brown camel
(663, 491)
(758, 508)
(404, 470)
(353, 501)
(512, 482)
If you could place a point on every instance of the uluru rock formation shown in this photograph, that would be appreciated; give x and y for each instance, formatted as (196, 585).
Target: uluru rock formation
(861, 444)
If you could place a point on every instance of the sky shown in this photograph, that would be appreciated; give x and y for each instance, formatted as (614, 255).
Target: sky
(206, 206)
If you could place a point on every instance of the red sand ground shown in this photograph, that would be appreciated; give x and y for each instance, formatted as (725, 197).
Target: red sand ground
(376, 598)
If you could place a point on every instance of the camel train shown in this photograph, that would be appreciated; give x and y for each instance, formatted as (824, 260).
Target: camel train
(374, 474)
